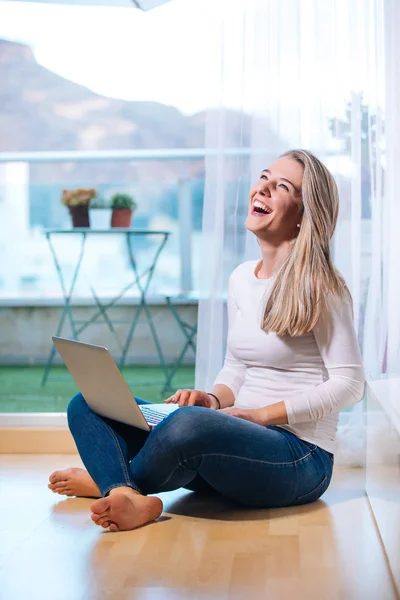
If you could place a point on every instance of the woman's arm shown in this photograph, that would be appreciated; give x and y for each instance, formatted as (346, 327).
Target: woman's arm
(337, 342)
(224, 394)
(274, 414)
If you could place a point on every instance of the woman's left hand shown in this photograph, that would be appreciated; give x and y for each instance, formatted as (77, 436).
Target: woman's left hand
(255, 415)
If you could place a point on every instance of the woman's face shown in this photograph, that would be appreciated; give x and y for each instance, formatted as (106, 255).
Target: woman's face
(275, 202)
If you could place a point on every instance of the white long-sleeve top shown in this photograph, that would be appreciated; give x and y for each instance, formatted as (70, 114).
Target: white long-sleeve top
(316, 374)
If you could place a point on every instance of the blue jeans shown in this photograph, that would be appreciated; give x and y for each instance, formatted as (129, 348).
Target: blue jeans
(205, 451)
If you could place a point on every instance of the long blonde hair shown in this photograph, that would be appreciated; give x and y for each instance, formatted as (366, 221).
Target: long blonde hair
(307, 277)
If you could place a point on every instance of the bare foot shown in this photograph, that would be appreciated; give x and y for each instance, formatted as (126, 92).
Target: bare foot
(125, 509)
(73, 482)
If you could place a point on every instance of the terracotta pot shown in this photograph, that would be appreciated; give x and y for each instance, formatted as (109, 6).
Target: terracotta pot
(79, 215)
(121, 217)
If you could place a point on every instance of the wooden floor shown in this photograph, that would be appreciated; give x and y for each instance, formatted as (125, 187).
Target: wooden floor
(50, 549)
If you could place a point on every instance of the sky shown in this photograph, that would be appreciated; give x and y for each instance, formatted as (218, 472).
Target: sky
(164, 55)
(171, 54)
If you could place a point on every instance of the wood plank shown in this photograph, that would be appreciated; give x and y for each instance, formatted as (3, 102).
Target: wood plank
(36, 440)
(200, 548)
(383, 472)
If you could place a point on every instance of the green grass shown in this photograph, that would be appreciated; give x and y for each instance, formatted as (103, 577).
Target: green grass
(21, 391)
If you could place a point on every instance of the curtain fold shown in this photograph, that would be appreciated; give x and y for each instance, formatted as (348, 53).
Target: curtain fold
(294, 74)
(391, 219)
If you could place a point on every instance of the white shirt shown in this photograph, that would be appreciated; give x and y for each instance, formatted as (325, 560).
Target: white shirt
(316, 374)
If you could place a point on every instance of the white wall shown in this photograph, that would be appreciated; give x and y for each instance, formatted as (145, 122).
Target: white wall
(26, 333)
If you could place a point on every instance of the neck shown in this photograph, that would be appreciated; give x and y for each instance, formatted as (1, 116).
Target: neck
(273, 256)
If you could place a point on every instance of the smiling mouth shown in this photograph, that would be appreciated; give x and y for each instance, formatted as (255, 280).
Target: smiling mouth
(261, 208)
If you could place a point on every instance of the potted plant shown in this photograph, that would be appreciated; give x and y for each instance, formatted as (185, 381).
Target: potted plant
(78, 205)
(122, 206)
(100, 213)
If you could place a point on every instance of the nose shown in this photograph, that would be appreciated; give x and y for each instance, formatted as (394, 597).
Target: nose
(263, 188)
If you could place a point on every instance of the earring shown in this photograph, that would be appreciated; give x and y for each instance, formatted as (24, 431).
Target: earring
(298, 225)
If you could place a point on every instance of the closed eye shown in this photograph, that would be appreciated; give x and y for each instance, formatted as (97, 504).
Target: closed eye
(282, 185)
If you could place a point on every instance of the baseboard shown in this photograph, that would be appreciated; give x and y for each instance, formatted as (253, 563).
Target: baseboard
(36, 440)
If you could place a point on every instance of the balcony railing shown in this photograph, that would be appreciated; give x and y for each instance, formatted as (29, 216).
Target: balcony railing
(119, 155)
(16, 190)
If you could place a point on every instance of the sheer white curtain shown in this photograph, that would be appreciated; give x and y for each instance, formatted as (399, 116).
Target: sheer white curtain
(298, 73)
(391, 209)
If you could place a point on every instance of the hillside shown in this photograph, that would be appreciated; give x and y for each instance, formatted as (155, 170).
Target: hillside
(41, 111)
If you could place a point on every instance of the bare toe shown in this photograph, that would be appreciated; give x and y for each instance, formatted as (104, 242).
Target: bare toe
(102, 521)
(100, 506)
(58, 476)
(127, 509)
(59, 485)
(102, 515)
(105, 523)
(78, 481)
(96, 517)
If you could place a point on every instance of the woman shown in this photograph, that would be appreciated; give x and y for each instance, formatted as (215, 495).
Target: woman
(264, 435)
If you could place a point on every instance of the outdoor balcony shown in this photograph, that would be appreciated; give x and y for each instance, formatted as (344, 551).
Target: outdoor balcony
(36, 279)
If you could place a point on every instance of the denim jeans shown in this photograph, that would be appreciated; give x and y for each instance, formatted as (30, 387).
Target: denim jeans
(203, 450)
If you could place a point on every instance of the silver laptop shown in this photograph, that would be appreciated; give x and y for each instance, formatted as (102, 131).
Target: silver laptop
(103, 387)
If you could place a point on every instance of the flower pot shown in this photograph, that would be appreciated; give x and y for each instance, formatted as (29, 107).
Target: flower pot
(100, 218)
(79, 215)
(121, 217)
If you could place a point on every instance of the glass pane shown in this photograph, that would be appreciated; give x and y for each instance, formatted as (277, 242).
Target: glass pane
(85, 97)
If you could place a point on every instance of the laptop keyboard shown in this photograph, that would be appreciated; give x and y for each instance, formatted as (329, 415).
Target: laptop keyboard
(152, 416)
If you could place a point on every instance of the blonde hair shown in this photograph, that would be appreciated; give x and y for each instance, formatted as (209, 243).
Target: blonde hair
(307, 277)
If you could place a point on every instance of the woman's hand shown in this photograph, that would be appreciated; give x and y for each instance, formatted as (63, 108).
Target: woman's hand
(255, 415)
(192, 398)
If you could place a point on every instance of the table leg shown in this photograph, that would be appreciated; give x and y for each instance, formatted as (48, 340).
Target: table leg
(189, 331)
(103, 312)
(105, 307)
(144, 306)
(156, 339)
(130, 335)
(67, 302)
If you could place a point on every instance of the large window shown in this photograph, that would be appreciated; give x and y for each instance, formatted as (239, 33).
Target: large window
(100, 79)
(112, 99)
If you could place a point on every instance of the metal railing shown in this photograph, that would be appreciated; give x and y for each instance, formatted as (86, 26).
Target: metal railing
(120, 155)
(184, 188)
